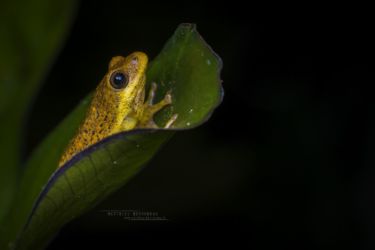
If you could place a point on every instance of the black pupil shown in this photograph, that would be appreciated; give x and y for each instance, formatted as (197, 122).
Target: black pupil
(119, 80)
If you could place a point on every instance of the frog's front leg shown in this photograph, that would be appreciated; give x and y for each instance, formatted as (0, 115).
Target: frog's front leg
(151, 109)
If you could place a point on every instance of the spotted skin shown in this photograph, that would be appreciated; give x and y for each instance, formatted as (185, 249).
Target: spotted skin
(115, 109)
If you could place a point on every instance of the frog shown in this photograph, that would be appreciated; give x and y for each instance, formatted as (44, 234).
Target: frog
(119, 104)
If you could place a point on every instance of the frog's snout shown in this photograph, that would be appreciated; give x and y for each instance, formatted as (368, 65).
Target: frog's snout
(139, 59)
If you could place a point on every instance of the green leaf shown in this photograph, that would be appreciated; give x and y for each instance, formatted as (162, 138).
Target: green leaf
(31, 33)
(189, 68)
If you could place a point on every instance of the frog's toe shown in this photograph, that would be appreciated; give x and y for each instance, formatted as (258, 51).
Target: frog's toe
(171, 121)
(151, 94)
(154, 86)
(168, 97)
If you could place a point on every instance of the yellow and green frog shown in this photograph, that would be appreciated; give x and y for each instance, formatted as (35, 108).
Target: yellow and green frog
(119, 104)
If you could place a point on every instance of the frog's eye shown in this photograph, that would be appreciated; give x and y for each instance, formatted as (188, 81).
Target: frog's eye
(119, 80)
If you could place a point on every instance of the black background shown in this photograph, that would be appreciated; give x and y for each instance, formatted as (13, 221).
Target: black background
(285, 162)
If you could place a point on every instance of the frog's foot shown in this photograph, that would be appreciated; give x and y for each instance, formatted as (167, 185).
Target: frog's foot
(151, 109)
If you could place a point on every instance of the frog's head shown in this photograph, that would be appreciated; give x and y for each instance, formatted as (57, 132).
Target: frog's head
(126, 79)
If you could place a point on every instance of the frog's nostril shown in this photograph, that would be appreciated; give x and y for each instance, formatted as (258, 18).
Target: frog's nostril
(135, 60)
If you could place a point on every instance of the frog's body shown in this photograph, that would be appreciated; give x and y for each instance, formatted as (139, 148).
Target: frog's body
(118, 104)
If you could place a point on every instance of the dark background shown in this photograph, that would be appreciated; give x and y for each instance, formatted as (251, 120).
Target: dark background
(285, 162)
